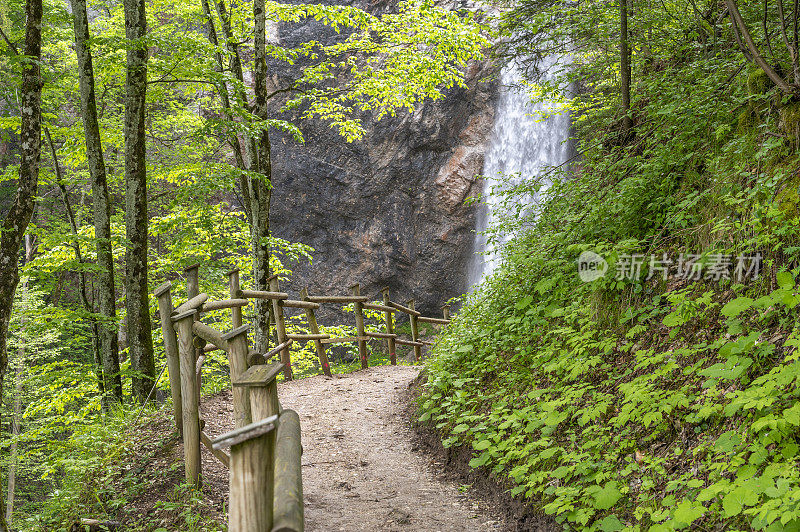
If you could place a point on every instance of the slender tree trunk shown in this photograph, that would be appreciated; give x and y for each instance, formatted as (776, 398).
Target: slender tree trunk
(255, 191)
(107, 332)
(18, 217)
(17, 402)
(260, 188)
(84, 291)
(746, 36)
(236, 69)
(625, 69)
(224, 96)
(140, 339)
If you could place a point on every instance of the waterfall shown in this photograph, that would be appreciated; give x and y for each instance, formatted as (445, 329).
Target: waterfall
(522, 143)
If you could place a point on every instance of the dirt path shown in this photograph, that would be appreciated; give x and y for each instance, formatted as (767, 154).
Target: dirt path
(359, 469)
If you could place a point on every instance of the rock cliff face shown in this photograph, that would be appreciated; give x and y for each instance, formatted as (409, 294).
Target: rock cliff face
(387, 210)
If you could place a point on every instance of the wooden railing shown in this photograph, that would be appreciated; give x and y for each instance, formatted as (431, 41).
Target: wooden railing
(266, 489)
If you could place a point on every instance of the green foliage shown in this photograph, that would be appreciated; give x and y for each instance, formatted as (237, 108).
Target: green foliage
(644, 403)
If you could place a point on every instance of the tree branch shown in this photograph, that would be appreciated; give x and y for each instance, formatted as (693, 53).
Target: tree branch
(9, 43)
(736, 17)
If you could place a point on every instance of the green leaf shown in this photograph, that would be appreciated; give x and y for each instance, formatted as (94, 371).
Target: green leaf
(742, 496)
(736, 306)
(611, 524)
(785, 280)
(482, 445)
(731, 504)
(480, 461)
(607, 497)
(727, 441)
(686, 513)
(458, 429)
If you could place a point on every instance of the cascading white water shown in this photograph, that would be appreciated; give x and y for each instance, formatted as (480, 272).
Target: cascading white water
(527, 138)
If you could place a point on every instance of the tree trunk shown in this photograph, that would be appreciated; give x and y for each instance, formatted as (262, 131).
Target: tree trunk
(738, 22)
(256, 192)
(259, 188)
(140, 340)
(16, 412)
(19, 215)
(625, 69)
(84, 291)
(224, 96)
(107, 332)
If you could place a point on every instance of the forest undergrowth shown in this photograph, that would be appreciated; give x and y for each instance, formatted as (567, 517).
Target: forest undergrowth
(633, 362)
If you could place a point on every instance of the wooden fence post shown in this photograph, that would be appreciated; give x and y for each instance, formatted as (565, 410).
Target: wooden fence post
(389, 327)
(414, 330)
(362, 344)
(192, 280)
(191, 415)
(314, 327)
(446, 312)
(193, 290)
(260, 380)
(250, 492)
(233, 286)
(280, 329)
(288, 503)
(237, 359)
(171, 350)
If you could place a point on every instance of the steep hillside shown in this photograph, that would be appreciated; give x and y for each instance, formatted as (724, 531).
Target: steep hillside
(633, 362)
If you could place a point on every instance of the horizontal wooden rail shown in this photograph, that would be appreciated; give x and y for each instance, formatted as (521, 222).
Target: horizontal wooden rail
(260, 294)
(298, 304)
(409, 342)
(194, 303)
(242, 434)
(433, 320)
(344, 339)
(220, 455)
(380, 335)
(308, 337)
(338, 299)
(208, 306)
(278, 348)
(210, 335)
(403, 308)
(382, 308)
(288, 494)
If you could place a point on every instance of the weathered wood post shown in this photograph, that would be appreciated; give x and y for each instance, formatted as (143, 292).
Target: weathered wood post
(414, 330)
(237, 359)
(314, 328)
(389, 327)
(191, 401)
(362, 343)
(233, 286)
(192, 280)
(193, 290)
(164, 295)
(260, 381)
(446, 312)
(280, 329)
(288, 502)
(250, 493)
